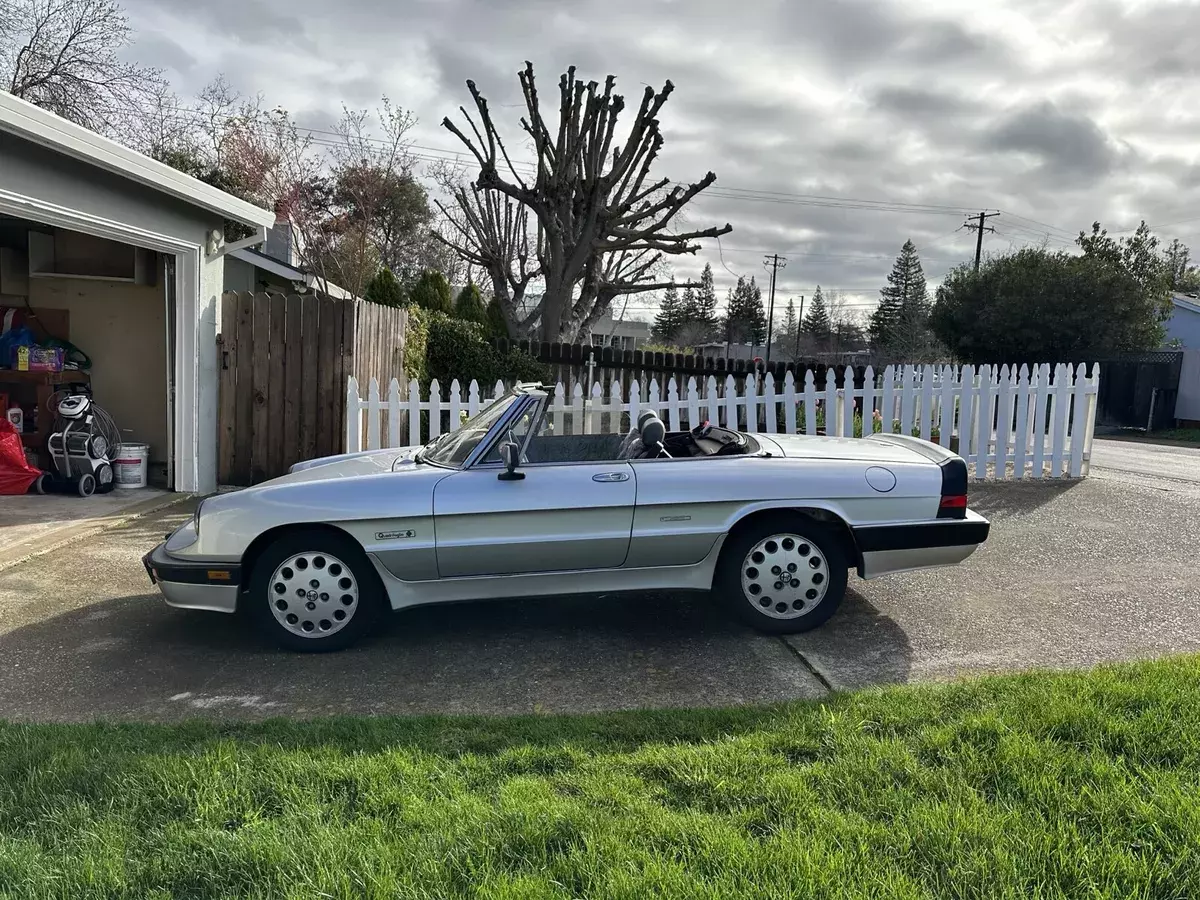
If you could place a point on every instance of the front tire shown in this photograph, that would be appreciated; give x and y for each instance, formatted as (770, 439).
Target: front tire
(314, 591)
(782, 575)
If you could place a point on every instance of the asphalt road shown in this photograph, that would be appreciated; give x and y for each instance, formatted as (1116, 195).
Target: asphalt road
(1074, 574)
(1146, 459)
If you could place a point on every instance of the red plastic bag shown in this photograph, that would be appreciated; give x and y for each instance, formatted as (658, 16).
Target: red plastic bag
(16, 474)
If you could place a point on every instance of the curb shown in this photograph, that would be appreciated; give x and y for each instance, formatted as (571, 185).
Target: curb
(37, 546)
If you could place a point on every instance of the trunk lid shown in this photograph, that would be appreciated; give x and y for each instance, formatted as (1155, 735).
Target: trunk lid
(877, 449)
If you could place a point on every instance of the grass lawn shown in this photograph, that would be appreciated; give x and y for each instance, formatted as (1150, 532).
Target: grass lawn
(1186, 435)
(1034, 786)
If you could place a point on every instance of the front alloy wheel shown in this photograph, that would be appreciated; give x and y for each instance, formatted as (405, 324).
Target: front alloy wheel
(314, 590)
(313, 594)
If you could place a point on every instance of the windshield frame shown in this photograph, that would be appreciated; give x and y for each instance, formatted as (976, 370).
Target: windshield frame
(517, 401)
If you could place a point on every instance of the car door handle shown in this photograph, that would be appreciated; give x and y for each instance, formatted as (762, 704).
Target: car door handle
(610, 477)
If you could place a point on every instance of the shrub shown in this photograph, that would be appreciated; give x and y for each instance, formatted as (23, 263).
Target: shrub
(667, 348)
(416, 337)
(497, 327)
(460, 349)
(469, 305)
(385, 289)
(432, 292)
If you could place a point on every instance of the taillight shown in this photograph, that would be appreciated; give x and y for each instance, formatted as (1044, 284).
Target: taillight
(953, 503)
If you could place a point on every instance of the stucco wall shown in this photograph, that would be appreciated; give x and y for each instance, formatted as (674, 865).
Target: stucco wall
(122, 327)
(32, 170)
(241, 276)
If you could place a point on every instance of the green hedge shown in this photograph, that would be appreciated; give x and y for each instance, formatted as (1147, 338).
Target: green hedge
(456, 348)
(416, 338)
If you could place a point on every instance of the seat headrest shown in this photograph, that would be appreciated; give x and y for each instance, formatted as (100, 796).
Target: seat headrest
(652, 428)
(644, 415)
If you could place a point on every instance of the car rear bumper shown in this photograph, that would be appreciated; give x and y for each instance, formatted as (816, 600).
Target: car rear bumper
(884, 549)
(190, 584)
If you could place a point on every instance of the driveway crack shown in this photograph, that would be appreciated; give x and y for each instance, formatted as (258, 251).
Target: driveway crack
(811, 668)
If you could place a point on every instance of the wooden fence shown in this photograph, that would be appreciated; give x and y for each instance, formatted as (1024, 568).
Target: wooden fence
(1037, 420)
(585, 363)
(284, 365)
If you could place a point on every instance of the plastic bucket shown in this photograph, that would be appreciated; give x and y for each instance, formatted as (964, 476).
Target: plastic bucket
(129, 467)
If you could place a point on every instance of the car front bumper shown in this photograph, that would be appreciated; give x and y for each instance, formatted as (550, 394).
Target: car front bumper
(190, 584)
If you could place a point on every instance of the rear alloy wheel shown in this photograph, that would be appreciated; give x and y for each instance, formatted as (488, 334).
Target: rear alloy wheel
(314, 591)
(783, 575)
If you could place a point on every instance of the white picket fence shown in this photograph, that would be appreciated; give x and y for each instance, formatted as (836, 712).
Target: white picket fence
(1005, 422)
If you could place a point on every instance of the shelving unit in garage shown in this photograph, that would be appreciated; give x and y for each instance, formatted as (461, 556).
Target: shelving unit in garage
(26, 388)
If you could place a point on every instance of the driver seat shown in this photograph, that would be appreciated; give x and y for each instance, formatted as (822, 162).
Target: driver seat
(645, 438)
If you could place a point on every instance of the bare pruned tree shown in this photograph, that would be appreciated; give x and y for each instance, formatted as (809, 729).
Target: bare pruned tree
(589, 194)
(491, 230)
(64, 56)
(617, 274)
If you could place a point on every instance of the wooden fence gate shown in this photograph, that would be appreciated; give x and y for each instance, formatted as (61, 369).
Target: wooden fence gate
(284, 365)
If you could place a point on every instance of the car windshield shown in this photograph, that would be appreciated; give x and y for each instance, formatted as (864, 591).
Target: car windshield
(453, 448)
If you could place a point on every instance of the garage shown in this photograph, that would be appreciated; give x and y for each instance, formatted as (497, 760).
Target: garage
(117, 262)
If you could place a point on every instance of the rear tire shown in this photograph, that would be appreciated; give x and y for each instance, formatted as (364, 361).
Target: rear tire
(86, 485)
(782, 574)
(314, 591)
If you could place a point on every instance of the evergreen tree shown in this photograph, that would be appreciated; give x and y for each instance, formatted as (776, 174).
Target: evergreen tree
(745, 319)
(788, 329)
(905, 301)
(432, 292)
(469, 304)
(700, 304)
(494, 323)
(817, 321)
(670, 316)
(385, 289)
(758, 315)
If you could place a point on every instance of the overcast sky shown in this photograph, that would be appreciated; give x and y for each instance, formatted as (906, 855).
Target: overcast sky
(1059, 113)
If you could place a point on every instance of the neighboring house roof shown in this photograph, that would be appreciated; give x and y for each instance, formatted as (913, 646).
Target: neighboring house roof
(35, 124)
(260, 260)
(1187, 302)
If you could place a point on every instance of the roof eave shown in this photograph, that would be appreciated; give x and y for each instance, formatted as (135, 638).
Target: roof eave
(35, 124)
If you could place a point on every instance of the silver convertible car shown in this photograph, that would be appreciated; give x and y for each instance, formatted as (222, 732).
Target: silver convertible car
(505, 507)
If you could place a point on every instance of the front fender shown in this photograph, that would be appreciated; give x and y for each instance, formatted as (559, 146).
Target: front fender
(229, 523)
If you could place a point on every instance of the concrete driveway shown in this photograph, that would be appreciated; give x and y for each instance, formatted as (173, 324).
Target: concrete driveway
(1074, 574)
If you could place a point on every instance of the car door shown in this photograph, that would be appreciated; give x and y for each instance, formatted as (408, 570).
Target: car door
(559, 517)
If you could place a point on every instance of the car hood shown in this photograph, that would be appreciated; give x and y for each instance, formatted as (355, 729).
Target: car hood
(877, 449)
(348, 465)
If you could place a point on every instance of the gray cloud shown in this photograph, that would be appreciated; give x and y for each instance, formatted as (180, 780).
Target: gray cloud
(1062, 114)
(1066, 144)
(918, 101)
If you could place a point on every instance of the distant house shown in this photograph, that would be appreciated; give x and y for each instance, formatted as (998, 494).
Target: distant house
(275, 267)
(627, 334)
(735, 351)
(1184, 324)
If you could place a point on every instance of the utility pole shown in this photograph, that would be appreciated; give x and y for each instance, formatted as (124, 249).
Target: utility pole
(796, 336)
(774, 262)
(972, 225)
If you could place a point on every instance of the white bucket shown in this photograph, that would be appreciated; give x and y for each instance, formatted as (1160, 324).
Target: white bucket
(129, 468)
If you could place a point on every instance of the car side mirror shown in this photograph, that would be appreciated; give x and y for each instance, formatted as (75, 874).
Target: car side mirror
(510, 453)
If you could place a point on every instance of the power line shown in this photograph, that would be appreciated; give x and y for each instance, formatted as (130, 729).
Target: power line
(1049, 228)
